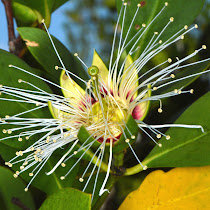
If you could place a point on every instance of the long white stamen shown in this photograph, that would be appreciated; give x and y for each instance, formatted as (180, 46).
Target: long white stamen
(102, 190)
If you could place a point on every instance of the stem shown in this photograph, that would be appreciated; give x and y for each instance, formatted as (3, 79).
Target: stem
(133, 170)
(10, 23)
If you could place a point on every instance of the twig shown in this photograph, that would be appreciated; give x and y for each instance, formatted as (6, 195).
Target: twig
(18, 203)
(10, 23)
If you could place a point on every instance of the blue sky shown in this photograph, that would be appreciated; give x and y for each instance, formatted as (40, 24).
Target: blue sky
(58, 18)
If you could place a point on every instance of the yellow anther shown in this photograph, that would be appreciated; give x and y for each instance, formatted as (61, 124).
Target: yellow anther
(191, 91)
(127, 140)
(21, 167)
(158, 136)
(20, 139)
(154, 88)
(196, 26)
(62, 177)
(186, 27)
(169, 60)
(81, 179)
(168, 137)
(30, 174)
(26, 189)
(20, 80)
(204, 47)
(171, 19)
(133, 137)
(144, 25)
(56, 67)
(160, 110)
(75, 152)
(166, 4)
(9, 131)
(172, 76)
(75, 54)
(15, 175)
(159, 145)
(63, 164)
(145, 168)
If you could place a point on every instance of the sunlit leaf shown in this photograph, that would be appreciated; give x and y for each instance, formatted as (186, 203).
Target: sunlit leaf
(180, 188)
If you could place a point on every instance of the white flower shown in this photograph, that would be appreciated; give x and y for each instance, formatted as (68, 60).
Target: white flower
(111, 96)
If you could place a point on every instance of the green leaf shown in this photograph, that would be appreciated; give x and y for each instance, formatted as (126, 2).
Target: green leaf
(44, 53)
(68, 198)
(187, 147)
(27, 13)
(13, 189)
(58, 3)
(24, 15)
(183, 13)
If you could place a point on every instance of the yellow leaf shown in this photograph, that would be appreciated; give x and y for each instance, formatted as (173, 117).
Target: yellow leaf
(180, 188)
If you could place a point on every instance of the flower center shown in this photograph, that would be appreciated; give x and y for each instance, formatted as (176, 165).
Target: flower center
(108, 116)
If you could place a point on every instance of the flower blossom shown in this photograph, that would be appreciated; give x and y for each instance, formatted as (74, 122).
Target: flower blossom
(113, 97)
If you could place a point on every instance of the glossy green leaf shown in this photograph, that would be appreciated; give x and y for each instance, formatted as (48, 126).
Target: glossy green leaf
(41, 48)
(28, 12)
(97, 200)
(183, 13)
(10, 199)
(187, 147)
(68, 198)
(23, 14)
